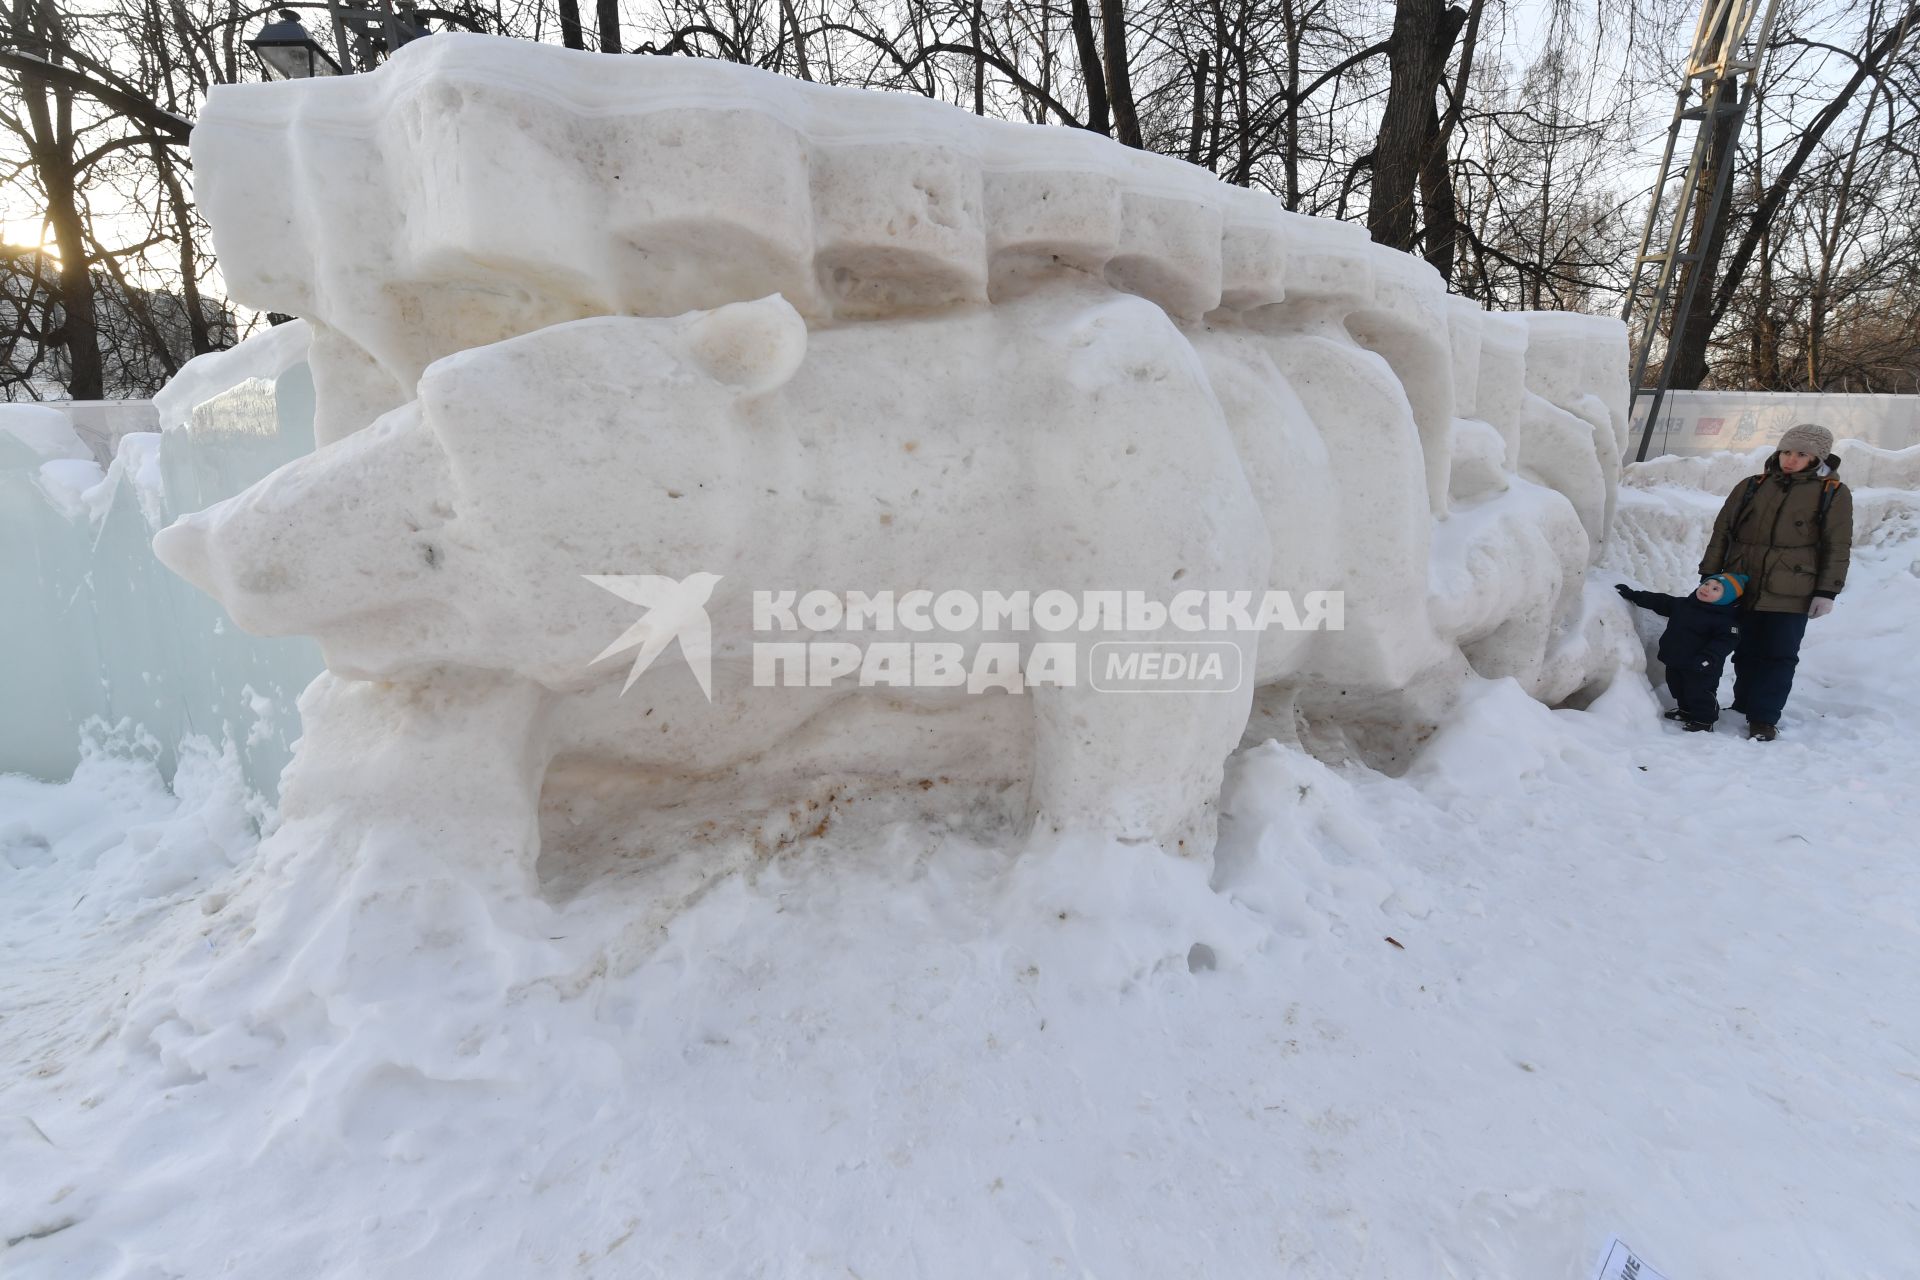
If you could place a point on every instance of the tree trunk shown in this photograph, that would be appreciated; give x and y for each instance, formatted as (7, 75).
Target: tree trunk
(1764, 351)
(1090, 73)
(979, 66)
(50, 146)
(609, 15)
(792, 22)
(1423, 36)
(197, 334)
(1242, 174)
(1227, 56)
(1199, 126)
(86, 377)
(1046, 64)
(571, 34)
(1113, 24)
(1438, 203)
(1687, 350)
(1819, 300)
(1291, 157)
(1690, 352)
(1438, 200)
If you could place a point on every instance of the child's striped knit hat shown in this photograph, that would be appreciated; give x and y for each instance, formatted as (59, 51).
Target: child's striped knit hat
(1732, 586)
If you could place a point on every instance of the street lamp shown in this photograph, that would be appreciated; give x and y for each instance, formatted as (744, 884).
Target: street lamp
(286, 47)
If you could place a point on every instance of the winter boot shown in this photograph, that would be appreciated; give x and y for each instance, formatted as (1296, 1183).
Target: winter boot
(1696, 726)
(1761, 732)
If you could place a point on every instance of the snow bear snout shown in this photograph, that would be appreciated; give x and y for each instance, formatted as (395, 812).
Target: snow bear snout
(182, 547)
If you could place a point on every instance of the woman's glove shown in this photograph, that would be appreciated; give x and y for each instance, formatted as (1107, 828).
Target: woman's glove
(1821, 607)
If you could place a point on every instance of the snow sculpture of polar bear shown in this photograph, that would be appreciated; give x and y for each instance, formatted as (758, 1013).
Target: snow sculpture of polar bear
(1001, 356)
(460, 531)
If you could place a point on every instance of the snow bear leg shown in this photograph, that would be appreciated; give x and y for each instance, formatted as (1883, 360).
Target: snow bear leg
(451, 764)
(1137, 767)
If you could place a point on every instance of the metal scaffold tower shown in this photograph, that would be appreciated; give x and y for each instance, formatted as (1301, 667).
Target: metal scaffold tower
(1729, 43)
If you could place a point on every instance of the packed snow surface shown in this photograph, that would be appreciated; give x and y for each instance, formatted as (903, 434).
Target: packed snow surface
(1574, 974)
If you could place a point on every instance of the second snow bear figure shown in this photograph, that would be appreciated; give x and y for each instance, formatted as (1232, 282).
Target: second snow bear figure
(1065, 442)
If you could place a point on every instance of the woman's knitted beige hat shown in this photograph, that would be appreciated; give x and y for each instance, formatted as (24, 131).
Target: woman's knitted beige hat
(1808, 438)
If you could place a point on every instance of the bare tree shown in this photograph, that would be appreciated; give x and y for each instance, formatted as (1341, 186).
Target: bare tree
(1882, 39)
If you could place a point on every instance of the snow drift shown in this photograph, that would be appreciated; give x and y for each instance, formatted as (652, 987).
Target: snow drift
(1638, 981)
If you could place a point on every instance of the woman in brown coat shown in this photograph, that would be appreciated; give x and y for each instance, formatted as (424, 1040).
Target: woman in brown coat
(1790, 530)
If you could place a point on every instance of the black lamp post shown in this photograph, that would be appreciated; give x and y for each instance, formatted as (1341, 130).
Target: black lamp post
(287, 49)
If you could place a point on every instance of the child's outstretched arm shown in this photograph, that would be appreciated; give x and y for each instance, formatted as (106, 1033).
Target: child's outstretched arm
(1653, 600)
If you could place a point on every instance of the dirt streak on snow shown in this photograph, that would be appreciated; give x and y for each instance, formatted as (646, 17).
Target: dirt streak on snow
(1644, 982)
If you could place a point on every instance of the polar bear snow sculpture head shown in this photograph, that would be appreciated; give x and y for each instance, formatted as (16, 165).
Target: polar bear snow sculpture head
(457, 528)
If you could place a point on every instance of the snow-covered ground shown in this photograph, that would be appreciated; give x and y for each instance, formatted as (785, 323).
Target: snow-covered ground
(1575, 974)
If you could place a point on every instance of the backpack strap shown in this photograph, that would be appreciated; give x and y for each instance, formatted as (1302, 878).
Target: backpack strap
(1746, 496)
(1828, 487)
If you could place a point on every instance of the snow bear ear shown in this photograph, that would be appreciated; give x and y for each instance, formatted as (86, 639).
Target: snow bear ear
(753, 346)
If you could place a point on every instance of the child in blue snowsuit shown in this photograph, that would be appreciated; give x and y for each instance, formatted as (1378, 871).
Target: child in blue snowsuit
(1702, 629)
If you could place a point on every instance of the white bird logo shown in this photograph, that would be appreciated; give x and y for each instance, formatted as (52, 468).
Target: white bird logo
(675, 611)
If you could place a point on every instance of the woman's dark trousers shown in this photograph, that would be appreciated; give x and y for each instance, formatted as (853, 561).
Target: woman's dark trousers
(1763, 663)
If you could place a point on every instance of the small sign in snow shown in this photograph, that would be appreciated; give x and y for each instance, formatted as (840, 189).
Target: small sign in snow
(1623, 1264)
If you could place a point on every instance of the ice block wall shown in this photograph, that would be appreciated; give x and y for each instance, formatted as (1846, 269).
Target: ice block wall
(98, 642)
